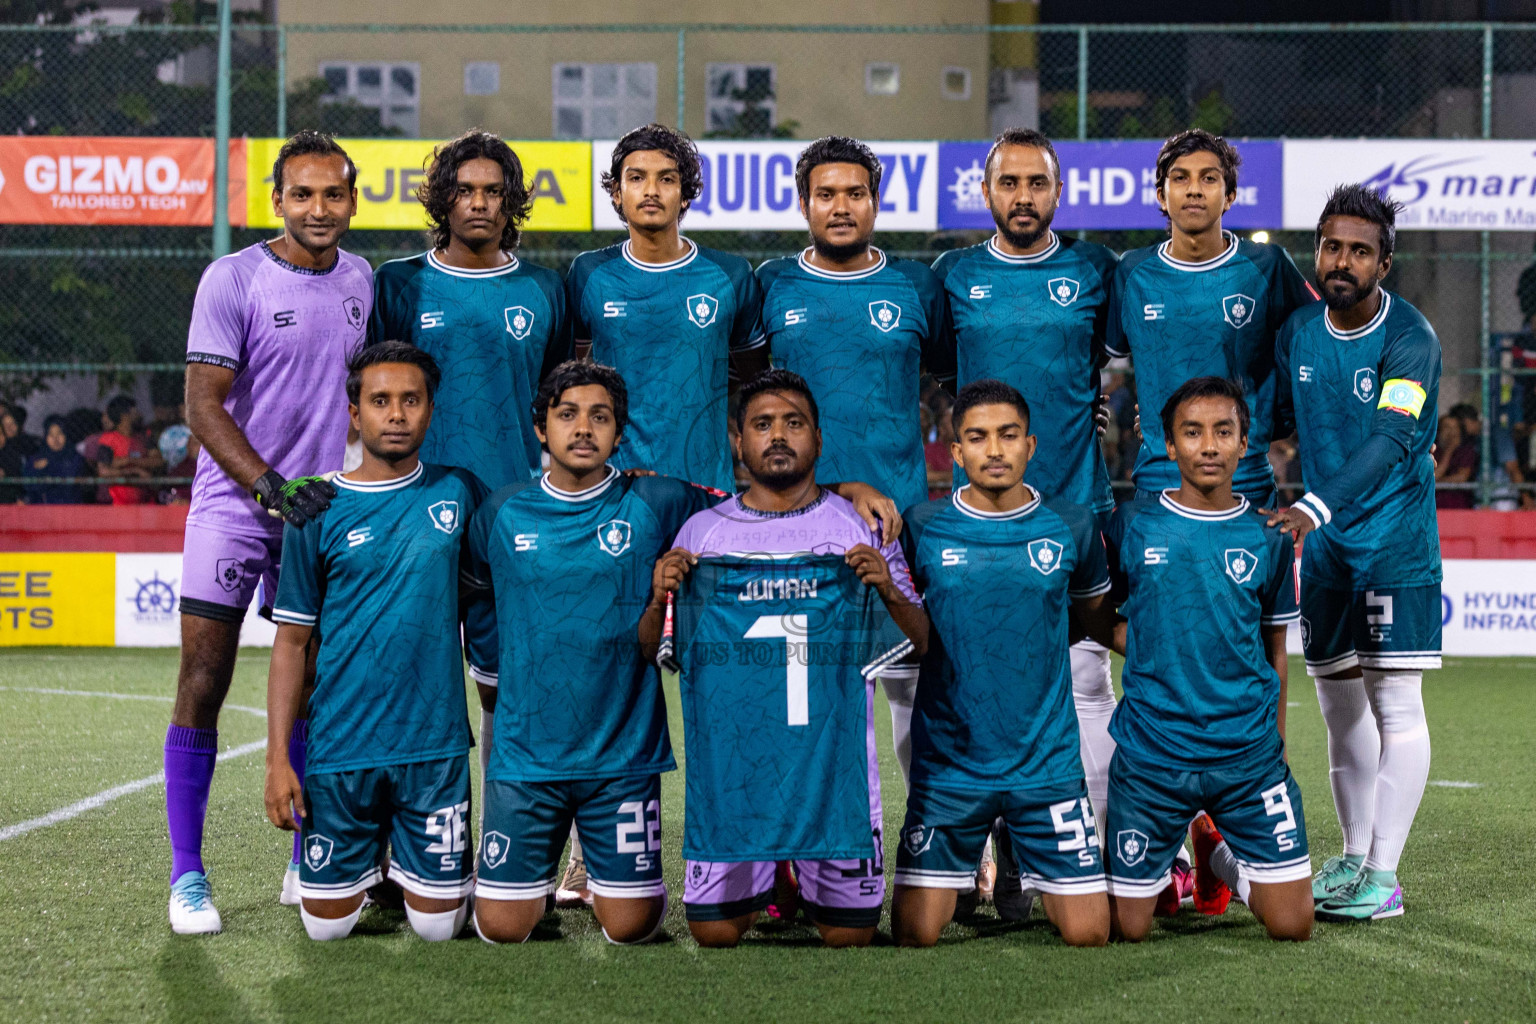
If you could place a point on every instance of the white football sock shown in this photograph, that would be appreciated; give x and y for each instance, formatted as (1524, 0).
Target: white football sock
(1397, 701)
(1093, 692)
(1226, 867)
(327, 929)
(653, 933)
(900, 685)
(437, 927)
(1354, 754)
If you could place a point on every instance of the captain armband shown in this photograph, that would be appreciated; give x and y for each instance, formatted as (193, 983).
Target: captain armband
(1404, 396)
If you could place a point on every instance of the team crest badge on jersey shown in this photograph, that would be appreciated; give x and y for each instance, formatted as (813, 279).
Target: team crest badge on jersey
(353, 308)
(1306, 634)
(1131, 846)
(519, 321)
(1045, 555)
(1365, 384)
(1240, 564)
(1063, 290)
(917, 839)
(445, 515)
(1238, 310)
(317, 851)
(231, 573)
(614, 536)
(884, 314)
(699, 872)
(702, 310)
(494, 849)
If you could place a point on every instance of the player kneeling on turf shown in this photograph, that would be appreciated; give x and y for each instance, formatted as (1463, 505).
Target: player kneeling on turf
(581, 724)
(1208, 592)
(994, 733)
(376, 576)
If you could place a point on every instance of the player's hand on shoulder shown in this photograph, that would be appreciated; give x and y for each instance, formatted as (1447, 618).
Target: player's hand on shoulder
(879, 512)
(1289, 520)
(632, 473)
(295, 501)
(670, 571)
(284, 797)
(1101, 414)
(870, 565)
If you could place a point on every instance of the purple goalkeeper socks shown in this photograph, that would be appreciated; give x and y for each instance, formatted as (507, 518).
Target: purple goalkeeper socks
(189, 759)
(298, 744)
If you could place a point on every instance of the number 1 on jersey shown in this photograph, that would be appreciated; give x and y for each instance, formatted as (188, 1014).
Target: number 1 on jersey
(796, 672)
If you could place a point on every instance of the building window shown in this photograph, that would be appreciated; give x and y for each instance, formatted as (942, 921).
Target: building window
(393, 89)
(741, 99)
(602, 101)
(955, 83)
(882, 79)
(482, 78)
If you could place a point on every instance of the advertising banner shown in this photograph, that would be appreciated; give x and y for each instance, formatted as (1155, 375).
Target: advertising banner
(1489, 607)
(750, 186)
(147, 591)
(1444, 185)
(56, 598)
(1109, 186)
(60, 180)
(389, 170)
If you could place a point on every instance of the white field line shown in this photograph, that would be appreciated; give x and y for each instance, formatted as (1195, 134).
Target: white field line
(106, 796)
(1452, 784)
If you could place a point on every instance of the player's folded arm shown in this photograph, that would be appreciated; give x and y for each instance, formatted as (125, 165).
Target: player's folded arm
(1389, 442)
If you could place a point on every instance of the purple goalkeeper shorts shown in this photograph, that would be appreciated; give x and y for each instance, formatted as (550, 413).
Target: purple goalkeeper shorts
(220, 571)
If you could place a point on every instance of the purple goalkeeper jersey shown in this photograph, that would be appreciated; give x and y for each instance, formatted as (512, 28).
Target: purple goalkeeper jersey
(287, 332)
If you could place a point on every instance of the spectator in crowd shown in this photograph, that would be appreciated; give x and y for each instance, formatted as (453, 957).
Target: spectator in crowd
(938, 431)
(13, 422)
(56, 458)
(1525, 291)
(12, 458)
(130, 455)
(1286, 462)
(1505, 494)
(179, 449)
(1455, 461)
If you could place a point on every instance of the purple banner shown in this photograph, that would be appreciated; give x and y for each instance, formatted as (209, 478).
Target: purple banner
(1110, 186)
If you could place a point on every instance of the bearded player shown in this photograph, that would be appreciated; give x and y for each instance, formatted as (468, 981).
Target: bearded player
(272, 328)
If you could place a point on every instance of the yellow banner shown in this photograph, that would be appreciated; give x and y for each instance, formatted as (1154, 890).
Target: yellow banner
(57, 598)
(388, 171)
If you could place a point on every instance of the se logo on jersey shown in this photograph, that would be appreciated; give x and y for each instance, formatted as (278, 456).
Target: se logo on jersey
(496, 847)
(317, 852)
(1240, 564)
(884, 315)
(1045, 555)
(1365, 384)
(1238, 309)
(702, 310)
(1063, 290)
(445, 515)
(519, 321)
(614, 536)
(1131, 846)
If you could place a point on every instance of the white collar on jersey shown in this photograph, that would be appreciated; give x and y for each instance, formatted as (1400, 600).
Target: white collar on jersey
(438, 264)
(1195, 513)
(584, 495)
(660, 268)
(976, 513)
(376, 486)
(1164, 253)
(1039, 257)
(843, 275)
(1360, 332)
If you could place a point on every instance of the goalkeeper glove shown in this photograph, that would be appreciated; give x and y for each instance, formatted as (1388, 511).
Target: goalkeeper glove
(295, 501)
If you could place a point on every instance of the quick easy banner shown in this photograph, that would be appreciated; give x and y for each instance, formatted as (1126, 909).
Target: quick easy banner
(389, 171)
(1109, 185)
(750, 186)
(114, 181)
(1444, 185)
(56, 598)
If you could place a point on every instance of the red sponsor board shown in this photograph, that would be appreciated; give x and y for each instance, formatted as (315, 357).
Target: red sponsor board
(63, 180)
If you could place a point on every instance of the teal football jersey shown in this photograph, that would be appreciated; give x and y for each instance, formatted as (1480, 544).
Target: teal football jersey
(1197, 589)
(860, 340)
(776, 707)
(1179, 320)
(377, 576)
(494, 333)
(1037, 323)
(669, 329)
(1341, 387)
(571, 575)
(994, 706)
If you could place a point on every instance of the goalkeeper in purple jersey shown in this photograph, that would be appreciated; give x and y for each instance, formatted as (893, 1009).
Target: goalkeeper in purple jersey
(272, 328)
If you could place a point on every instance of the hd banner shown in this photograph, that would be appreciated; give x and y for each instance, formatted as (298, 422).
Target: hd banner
(389, 171)
(750, 186)
(1444, 185)
(114, 181)
(1109, 186)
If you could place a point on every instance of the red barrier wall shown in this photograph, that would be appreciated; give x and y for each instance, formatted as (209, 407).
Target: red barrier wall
(1463, 534)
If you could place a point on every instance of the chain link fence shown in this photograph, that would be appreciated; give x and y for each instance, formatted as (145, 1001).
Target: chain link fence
(97, 309)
